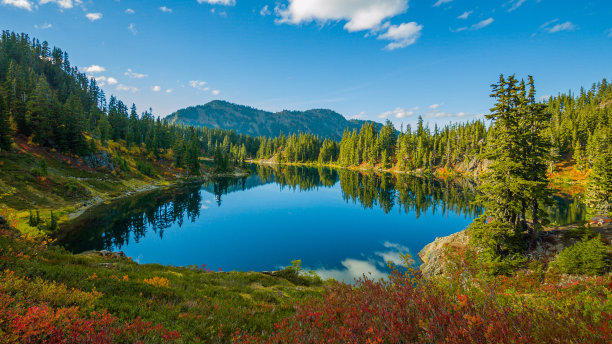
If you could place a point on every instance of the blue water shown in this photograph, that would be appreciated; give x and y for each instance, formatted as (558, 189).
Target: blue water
(341, 224)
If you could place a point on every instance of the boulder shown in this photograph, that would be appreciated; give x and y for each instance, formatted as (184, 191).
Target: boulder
(433, 254)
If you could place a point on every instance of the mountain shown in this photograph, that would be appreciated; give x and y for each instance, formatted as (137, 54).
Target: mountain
(250, 121)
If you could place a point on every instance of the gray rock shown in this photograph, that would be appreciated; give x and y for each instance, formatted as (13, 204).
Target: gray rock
(100, 160)
(433, 255)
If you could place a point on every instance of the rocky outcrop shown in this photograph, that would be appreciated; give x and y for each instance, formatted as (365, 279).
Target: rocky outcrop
(105, 253)
(550, 242)
(555, 239)
(433, 254)
(100, 160)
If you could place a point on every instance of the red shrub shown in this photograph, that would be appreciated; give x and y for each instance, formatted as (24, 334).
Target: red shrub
(43, 324)
(405, 310)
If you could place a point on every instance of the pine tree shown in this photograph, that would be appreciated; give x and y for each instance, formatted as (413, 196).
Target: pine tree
(5, 124)
(599, 187)
(515, 188)
(192, 156)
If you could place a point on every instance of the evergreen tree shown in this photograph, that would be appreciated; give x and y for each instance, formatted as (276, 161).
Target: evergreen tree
(5, 124)
(192, 156)
(599, 187)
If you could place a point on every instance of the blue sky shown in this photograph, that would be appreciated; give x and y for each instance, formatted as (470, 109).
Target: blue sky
(369, 59)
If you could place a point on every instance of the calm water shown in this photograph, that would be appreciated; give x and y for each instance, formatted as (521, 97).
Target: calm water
(339, 223)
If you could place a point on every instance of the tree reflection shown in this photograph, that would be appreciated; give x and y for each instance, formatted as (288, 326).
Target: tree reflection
(111, 226)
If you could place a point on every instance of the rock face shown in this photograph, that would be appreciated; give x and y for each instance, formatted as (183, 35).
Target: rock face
(100, 160)
(432, 255)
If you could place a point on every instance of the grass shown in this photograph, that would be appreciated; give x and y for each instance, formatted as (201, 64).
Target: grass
(200, 305)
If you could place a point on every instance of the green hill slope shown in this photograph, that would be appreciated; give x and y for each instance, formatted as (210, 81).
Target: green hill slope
(255, 122)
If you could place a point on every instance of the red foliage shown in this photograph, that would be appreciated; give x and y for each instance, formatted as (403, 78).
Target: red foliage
(44, 324)
(406, 310)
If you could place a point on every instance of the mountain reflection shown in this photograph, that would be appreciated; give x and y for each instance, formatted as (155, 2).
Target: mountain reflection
(111, 226)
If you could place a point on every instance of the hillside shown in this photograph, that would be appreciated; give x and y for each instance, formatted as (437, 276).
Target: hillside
(254, 122)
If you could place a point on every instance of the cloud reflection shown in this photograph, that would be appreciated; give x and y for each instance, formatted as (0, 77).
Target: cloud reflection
(373, 267)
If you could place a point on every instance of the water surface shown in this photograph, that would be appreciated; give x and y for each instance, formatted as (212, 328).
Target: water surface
(339, 223)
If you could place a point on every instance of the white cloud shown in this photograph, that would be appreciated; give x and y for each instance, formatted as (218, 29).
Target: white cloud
(265, 11)
(169, 90)
(94, 16)
(133, 75)
(132, 28)
(102, 80)
(481, 24)
(24, 4)
(434, 106)
(358, 14)
(44, 26)
(397, 113)
(545, 97)
(218, 2)
(94, 69)
(200, 85)
(28, 4)
(130, 11)
(548, 27)
(359, 115)
(465, 15)
(402, 35)
(61, 3)
(441, 114)
(440, 2)
(122, 87)
(567, 26)
(516, 4)
(165, 9)
(156, 88)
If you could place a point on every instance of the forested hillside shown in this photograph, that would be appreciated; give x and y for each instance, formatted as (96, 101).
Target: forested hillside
(578, 133)
(50, 103)
(249, 121)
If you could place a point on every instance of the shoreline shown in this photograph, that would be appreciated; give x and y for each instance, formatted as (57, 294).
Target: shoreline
(154, 185)
(362, 169)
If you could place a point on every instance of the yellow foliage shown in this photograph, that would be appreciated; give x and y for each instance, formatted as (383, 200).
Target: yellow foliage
(158, 282)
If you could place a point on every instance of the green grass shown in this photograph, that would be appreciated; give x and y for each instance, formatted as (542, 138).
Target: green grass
(210, 306)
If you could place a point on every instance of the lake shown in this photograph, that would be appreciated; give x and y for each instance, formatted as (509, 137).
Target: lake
(339, 223)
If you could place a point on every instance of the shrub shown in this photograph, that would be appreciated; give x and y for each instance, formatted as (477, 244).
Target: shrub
(588, 257)
(296, 275)
(38, 290)
(145, 168)
(161, 282)
(500, 247)
(409, 309)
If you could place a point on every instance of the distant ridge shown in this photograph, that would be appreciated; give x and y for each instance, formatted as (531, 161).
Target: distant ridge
(250, 121)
